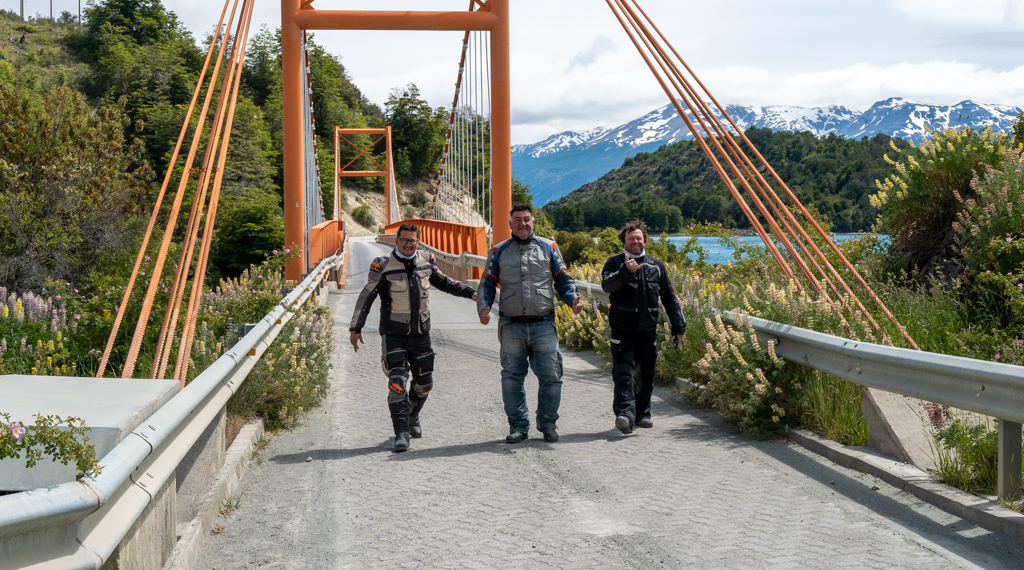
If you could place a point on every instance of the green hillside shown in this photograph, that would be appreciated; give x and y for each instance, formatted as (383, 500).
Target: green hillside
(676, 184)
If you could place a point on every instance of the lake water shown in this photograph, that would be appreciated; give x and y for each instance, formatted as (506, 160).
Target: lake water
(719, 253)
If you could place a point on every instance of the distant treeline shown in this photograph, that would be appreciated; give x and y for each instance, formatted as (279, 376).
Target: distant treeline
(676, 185)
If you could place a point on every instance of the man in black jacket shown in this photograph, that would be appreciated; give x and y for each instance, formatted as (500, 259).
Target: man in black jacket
(634, 282)
(403, 279)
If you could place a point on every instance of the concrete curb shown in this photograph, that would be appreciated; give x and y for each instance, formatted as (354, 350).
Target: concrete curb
(236, 461)
(985, 511)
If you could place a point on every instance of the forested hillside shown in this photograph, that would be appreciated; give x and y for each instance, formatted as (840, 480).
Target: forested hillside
(113, 93)
(676, 184)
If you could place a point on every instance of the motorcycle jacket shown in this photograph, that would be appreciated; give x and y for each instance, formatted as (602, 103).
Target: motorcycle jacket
(404, 288)
(529, 272)
(634, 296)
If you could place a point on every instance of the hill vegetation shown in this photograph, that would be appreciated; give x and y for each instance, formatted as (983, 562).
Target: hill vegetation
(676, 185)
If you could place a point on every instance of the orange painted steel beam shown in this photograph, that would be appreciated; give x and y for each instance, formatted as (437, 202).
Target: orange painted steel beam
(354, 173)
(501, 124)
(309, 19)
(325, 240)
(292, 81)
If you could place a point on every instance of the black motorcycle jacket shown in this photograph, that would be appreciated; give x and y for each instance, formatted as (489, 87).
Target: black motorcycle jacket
(634, 296)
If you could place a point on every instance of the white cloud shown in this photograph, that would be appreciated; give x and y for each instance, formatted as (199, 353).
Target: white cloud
(984, 14)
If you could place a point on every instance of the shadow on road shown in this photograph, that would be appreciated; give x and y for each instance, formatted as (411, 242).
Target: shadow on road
(491, 446)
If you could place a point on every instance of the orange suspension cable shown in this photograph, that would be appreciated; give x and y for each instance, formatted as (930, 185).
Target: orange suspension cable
(878, 302)
(181, 366)
(147, 302)
(793, 229)
(156, 208)
(199, 199)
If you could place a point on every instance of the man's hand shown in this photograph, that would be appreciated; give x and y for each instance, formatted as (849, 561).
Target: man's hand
(632, 265)
(485, 316)
(677, 340)
(474, 295)
(355, 339)
(577, 305)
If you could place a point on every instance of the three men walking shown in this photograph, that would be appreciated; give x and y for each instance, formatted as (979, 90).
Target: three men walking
(530, 272)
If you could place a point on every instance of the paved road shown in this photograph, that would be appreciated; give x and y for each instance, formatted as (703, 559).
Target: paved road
(688, 493)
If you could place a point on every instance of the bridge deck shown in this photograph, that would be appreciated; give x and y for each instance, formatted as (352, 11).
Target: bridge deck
(687, 493)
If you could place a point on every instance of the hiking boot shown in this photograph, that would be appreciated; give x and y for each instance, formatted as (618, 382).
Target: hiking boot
(549, 434)
(516, 436)
(414, 427)
(624, 425)
(401, 442)
(644, 423)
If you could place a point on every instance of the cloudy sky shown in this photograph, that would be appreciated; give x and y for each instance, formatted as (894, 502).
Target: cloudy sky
(574, 68)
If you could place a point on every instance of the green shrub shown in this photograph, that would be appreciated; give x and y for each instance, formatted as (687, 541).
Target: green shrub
(990, 234)
(362, 216)
(293, 374)
(61, 439)
(968, 449)
(921, 200)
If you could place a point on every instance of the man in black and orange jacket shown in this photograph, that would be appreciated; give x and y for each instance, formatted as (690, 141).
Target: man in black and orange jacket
(403, 279)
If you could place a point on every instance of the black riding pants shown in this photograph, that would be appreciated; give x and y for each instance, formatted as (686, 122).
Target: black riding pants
(633, 357)
(403, 355)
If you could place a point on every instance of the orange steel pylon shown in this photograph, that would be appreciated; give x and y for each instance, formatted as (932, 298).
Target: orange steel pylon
(299, 15)
(341, 171)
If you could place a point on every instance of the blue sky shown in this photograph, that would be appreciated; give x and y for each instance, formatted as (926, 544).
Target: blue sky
(574, 68)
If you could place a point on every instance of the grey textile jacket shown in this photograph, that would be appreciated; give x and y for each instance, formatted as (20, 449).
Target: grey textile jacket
(530, 271)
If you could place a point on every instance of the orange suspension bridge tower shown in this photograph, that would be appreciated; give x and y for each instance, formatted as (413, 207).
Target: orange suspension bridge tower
(299, 15)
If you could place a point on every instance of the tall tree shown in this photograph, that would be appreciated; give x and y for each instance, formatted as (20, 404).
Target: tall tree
(416, 128)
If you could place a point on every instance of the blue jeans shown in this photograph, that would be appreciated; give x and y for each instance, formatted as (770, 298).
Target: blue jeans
(534, 345)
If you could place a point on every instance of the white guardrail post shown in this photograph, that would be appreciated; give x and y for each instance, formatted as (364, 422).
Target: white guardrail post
(78, 525)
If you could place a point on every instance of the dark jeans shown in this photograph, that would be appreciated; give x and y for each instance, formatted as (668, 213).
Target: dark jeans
(402, 354)
(633, 357)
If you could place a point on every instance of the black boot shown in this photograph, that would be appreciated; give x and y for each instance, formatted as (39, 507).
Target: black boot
(414, 427)
(401, 442)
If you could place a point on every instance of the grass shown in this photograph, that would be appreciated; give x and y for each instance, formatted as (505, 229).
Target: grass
(834, 409)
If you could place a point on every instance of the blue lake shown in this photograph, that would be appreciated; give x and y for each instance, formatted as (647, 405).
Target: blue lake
(719, 253)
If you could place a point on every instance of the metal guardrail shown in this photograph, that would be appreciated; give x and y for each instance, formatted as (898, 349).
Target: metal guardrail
(79, 524)
(990, 388)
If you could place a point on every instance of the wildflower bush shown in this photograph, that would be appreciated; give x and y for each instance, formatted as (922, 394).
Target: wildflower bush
(62, 439)
(920, 201)
(33, 330)
(586, 331)
(292, 375)
(745, 382)
(990, 234)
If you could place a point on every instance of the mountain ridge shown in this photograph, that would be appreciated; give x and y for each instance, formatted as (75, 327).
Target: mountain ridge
(565, 161)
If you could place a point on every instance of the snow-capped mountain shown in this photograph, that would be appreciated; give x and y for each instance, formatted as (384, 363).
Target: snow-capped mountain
(563, 162)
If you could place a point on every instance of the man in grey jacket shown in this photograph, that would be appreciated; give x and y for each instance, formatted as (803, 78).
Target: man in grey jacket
(529, 270)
